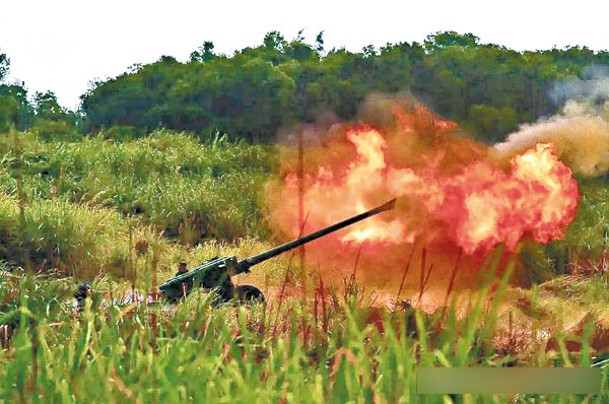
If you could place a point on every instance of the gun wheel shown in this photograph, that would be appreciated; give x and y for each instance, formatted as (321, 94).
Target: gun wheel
(249, 294)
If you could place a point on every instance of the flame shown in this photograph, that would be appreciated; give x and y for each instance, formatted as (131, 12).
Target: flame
(537, 197)
(451, 196)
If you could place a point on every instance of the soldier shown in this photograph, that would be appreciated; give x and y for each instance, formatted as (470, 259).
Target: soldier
(182, 269)
(186, 285)
(82, 293)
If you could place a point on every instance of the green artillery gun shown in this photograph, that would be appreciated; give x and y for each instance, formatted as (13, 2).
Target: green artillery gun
(216, 273)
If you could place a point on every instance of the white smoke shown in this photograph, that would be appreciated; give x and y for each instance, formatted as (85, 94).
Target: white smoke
(580, 132)
(592, 88)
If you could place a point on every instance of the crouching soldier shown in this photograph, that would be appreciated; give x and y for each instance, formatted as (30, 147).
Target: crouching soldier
(81, 294)
(187, 284)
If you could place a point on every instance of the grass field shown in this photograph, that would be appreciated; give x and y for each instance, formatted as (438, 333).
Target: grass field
(122, 214)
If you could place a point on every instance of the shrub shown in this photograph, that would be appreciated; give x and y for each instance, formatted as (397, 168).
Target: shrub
(73, 238)
(188, 189)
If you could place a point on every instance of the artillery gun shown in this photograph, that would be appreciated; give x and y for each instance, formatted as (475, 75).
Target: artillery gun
(217, 272)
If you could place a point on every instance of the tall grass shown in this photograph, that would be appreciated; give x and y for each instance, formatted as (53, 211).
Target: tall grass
(79, 240)
(135, 208)
(198, 351)
(190, 190)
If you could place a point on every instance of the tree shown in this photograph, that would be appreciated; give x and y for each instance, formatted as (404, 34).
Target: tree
(5, 63)
(485, 87)
(51, 119)
(319, 42)
(490, 122)
(249, 97)
(394, 69)
(47, 107)
(275, 41)
(136, 99)
(204, 53)
(15, 110)
(441, 40)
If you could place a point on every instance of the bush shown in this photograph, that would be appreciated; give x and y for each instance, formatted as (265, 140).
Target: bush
(49, 130)
(188, 189)
(76, 239)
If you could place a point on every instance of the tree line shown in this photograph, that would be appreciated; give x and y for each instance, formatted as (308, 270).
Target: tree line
(252, 94)
(41, 112)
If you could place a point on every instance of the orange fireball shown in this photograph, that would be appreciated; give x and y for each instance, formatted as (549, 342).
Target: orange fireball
(451, 196)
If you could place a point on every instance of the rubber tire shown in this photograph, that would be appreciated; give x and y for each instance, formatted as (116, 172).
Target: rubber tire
(249, 294)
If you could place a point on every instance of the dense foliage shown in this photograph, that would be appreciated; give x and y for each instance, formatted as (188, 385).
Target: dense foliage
(260, 91)
(42, 113)
(255, 93)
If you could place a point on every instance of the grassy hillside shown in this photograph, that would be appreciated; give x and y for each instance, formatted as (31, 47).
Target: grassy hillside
(169, 180)
(330, 348)
(123, 213)
(80, 205)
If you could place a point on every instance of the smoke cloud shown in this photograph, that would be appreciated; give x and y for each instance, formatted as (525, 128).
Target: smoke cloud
(592, 88)
(455, 203)
(581, 141)
(580, 132)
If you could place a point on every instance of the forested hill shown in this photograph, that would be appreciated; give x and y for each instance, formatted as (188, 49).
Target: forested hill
(487, 88)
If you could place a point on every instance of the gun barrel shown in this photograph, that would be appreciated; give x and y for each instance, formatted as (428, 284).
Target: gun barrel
(256, 259)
